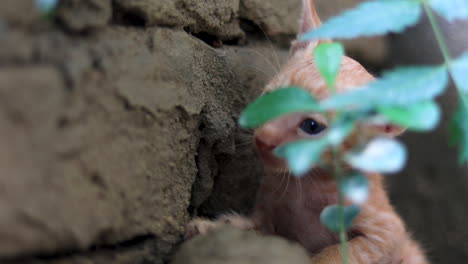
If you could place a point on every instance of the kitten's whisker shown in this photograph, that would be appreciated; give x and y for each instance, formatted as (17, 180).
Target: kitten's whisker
(300, 188)
(283, 174)
(264, 74)
(243, 144)
(271, 46)
(247, 69)
(297, 186)
(287, 185)
(266, 59)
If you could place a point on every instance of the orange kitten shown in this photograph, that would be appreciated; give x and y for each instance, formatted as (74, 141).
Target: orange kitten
(290, 207)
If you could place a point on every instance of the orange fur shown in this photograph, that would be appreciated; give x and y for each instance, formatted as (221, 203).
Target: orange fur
(291, 207)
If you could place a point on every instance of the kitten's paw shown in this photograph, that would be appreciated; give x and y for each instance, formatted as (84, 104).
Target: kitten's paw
(199, 226)
(237, 221)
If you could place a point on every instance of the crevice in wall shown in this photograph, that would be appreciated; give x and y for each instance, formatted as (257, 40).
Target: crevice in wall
(128, 18)
(209, 39)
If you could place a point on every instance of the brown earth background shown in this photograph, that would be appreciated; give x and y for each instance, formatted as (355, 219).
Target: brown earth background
(118, 124)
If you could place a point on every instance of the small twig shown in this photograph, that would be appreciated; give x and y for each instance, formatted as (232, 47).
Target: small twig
(343, 236)
(442, 43)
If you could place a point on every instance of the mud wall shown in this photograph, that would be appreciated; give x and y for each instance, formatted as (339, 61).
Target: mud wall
(118, 124)
(116, 118)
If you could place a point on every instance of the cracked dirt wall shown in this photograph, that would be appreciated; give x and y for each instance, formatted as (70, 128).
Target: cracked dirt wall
(118, 123)
(109, 116)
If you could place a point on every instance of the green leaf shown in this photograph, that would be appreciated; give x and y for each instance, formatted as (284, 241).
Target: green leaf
(403, 86)
(355, 188)
(460, 72)
(304, 154)
(338, 132)
(328, 57)
(301, 155)
(421, 116)
(330, 216)
(46, 7)
(451, 9)
(459, 128)
(383, 155)
(369, 18)
(275, 104)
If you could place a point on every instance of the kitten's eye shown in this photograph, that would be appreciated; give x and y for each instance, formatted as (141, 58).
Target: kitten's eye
(312, 127)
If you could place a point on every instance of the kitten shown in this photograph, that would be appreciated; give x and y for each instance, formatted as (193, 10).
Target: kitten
(291, 207)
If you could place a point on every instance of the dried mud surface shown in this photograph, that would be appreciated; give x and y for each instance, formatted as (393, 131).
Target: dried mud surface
(118, 124)
(113, 130)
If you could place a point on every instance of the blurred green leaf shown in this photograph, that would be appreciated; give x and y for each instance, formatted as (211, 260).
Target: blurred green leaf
(459, 128)
(355, 188)
(421, 116)
(451, 9)
(460, 71)
(383, 155)
(369, 18)
(403, 86)
(338, 132)
(47, 7)
(328, 57)
(330, 216)
(302, 155)
(275, 104)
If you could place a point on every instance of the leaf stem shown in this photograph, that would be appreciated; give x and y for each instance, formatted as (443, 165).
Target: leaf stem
(333, 89)
(438, 34)
(444, 48)
(341, 202)
(338, 178)
(442, 44)
(343, 235)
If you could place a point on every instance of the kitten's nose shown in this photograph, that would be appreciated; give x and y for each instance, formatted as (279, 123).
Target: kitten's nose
(267, 137)
(262, 146)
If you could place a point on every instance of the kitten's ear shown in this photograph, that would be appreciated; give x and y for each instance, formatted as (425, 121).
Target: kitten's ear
(309, 21)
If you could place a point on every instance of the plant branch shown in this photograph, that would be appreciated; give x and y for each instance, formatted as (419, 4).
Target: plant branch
(342, 234)
(438, 34)
(442, 44)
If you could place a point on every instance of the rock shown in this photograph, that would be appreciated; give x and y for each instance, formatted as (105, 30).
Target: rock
(112, 157)
(233, 246)
(30, 99)
(218, 18)
(15, 46)
(276, 18)
(81, 15)
(18, 12)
